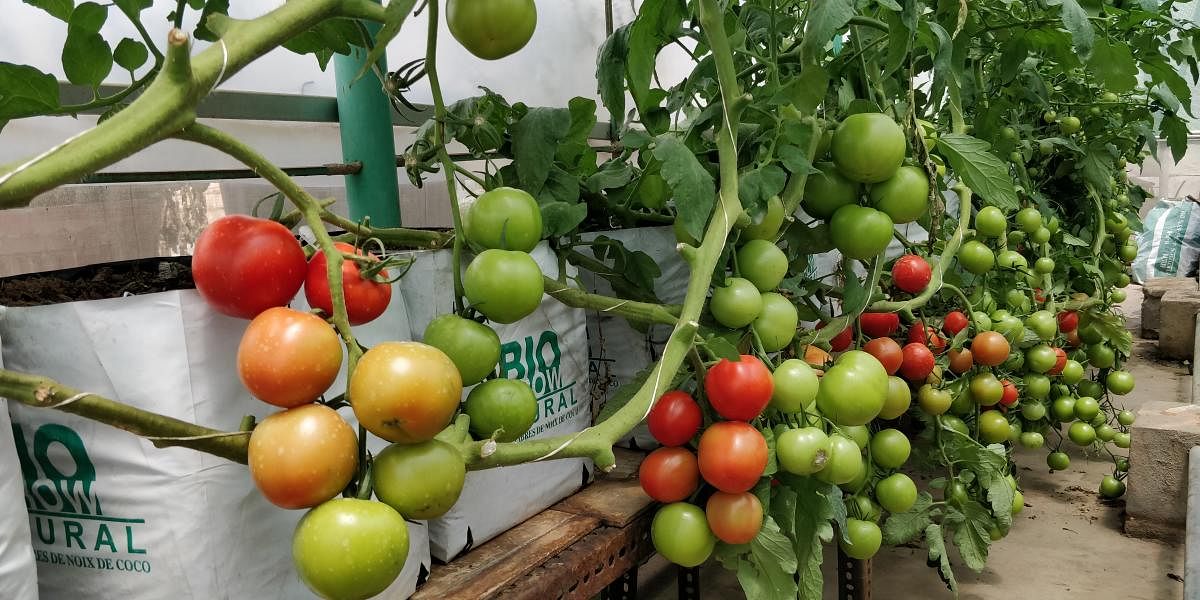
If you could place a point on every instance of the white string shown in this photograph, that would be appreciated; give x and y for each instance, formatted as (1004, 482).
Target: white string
(616, 306)
(224, 64)
(563, 446)
(71, 399)
(156, 438)
(38, 158)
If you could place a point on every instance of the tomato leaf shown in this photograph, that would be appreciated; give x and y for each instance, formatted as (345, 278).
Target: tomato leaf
(804, 92)
(574, 149)
(816, 505)
(1000, 496)
(772, 461)
(206, 30)
(938, 557)
(720, 347)
(535, 142)
(561, 218)
(130, 54)
(1075, 19)
(1071, 240)
(755, 187)
(26, 91)
(1113, 64)
(612, 174)
(86, 58)
(59, 9)
(610, 73)
(333, 36)
(1096, 165)
(981, 170)
(824, 19)
(691, 184)
(654, 27)
(971, 536)
(902, 528)
(1175, 130)
(768, 572)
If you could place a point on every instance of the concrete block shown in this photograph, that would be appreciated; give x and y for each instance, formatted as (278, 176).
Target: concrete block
(1152, 294)
(1156, 500)
(1176, 336)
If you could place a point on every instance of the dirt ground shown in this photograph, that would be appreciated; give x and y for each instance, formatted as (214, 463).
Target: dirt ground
(1066, 544)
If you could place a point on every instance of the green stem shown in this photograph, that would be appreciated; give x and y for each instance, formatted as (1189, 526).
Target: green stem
(793, 192)
(163, 431)
(643, 312)
(439, 136)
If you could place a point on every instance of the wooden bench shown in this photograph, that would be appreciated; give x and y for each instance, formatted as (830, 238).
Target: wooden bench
(590, 543)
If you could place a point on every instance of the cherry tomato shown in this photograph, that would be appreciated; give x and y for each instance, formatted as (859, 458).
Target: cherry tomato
(681, 534)
(862, 540)
(989, 349)
(887, 352)
(955, 322)
(879, 324)
(911, 273)
(868, 147)
(1068, 321)
(918, 362)
(732, 456)
(287, 357)
(762, 263)
(244, 265)
(890, 448)
(860, 232)
(736, 304)
(734, 518)
(961, 361)
(795, 387)
(675, 419)
(802, 451)
(899, 398)
(739, 390)
(828, 190)
(405, 392)
(904, 196)
(366, 299)
(896, 493)
(302, 457)
(669, 474)
(1010, 394)
(844, 462)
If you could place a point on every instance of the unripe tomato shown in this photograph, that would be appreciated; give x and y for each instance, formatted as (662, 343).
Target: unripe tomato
(505, 285)
(736, 304)
(868, 147)
(491, 29)
(1058, 461)
(1081, 433)
(877, 325)
(860, 232)
(373, 542)
(681, 534)
(904, 196)
(732, 456)
(1111, 487)
(244, 265)
(899, 398)
(420, 481)
(766, 225)
(917, 363)
(734, 518)
(911, 273)
(862, 540)
(828, 190)
(669, 474)
(504, 218)
(776, 323)
(474, 347)
(976, 258)
(795, 387)
(287, 357)
(802, 451)
(302, 457)
(890, 448)
(739, 390)
(896, 493)
(366, 299)
(853, 390)
(501, 409)
(986, 390)
(934, 401)
(1119, 382)
(990, 222)
(675, 419)
(993, 427)
(887, 352)
(762, 263)
(1086, 408)
(844, 463)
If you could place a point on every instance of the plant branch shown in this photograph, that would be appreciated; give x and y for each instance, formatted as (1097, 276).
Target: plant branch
(163, 431)
(643, 312)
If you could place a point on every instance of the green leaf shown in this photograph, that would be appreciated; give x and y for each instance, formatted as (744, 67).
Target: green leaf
(1000, 497)
(574, 148)
(972, 537)
(1071, 240)
(772, 461)
(816, 505)
(654, 27)
(795, 160)
(535, 142)
(755, 187)
(612, 174)
(59, 9)
(86, 57)
(691, 184)
(982, 171)
(323, 40)
(560, 186)
(825, 18)
(805, 92)
(610, 73)
(213, 9)
(854, 293)
(902, 528)
(721, 347)
(1013, 56)
(1175, 130)
(768, 573)
(1096, 165)
(130, 54)
(26, 91)
(938, 557)
(89, 17)
(1165, 74)
(560, 218)
(1075, 19)
(133, 7)
(395, 14)
(1113, 64)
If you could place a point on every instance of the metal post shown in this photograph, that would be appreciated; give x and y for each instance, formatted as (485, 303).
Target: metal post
(366, 128)
(688, 582)
(854, 578)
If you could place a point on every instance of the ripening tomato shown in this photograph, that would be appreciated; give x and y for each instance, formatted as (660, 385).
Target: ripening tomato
(1068, 321)
(989, 348)
(1060, 362)
(366, 299)
(961, 361)
(739, 390)
(955, 322)
(287, 357)
(842, 340)
(244, 265)
(732, 456)
(405, 392)
(669, 474)
(879, 324)
(918, 362)
(302, 457)
(887, 352)
(911, 273)
(675, 419)
(734, 518)
(1010, 394)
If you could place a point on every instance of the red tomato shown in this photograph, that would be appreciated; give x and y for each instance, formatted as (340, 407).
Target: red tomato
(244, 265)
(955, 322)
(1059, 362)
(911, 273)
(734, 518)
(961, 361)
(675, 419)
(918, 362)
(366, 299)
(989, 349)
(287, 357)
(739, 391)
(669, 474)
(732, 456)
(840, 341)
(887, 352)
(1039, 296)
(1010, 394)
(879, 324)
(302, 457)
(925, 335)
(1068, 321)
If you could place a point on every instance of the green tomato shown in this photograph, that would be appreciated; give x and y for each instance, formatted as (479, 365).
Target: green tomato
(1049, 117)
(1086, 408)
(1128, 252)
(868, 147)
(862, 539)
(934, 401)
(982, 321)
(1063, 408)
(681, 534)
(1032, 440)
(862, 507)
(1101, 356)
(1043, 266)
(859, 434)
(1043, 323)
(1069, 125)
(1121, 440)
(1011, 259)
(1033, 411)
(899, 398)
(505, 285)
(904, 197)
(766, 225)
(1041, 236)
(1111, 487)
(762, 263)
(986, 390)
(1015, 299)
(802, 451)
(854, 389)
(1029, 219)
(1058, 461)
(1117, 296)
(1040, 358)
(776, 323)
(860, 232)
(890, 448)
(844, 463)
(795, 386)
(1091, 388)
(1105, 432)
(827, 191)
(990, 222)
(503, 408)
(350, 548)
(1037, 386)
(993, 427)
(976, 258)
(504, 218)
(1126, 418)
(491, 29)
(955, 494)
(1072, 372)
(1045, 148)
(736, 304)
(1081, 433)
(474, 347)
(896, 493)
(421, 481)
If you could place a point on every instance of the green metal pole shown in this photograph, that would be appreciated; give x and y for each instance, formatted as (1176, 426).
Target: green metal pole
(366, 126)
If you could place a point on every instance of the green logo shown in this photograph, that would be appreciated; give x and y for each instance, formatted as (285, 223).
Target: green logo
(538, 361)
(49, 488)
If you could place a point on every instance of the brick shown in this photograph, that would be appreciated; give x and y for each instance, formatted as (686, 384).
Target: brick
(1152, 298)
(1176, 336)
(1156, 500)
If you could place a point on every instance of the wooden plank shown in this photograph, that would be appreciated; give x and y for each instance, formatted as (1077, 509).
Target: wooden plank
(616, 498)
(503, 561)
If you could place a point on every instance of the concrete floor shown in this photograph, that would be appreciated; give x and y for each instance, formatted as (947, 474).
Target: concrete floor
(1067, 543)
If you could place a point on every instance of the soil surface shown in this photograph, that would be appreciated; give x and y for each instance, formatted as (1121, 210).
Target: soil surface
(97, 282)
(1066, 544)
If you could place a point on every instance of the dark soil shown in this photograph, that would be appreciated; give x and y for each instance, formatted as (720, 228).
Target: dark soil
(97, 282)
